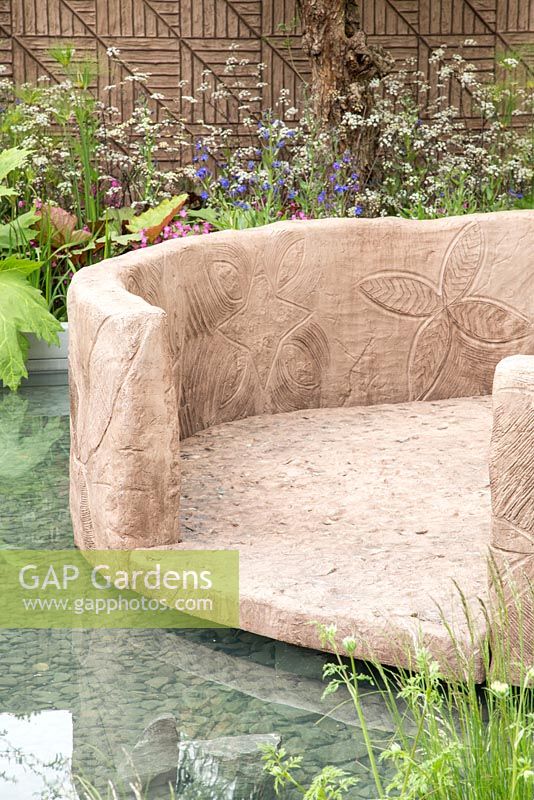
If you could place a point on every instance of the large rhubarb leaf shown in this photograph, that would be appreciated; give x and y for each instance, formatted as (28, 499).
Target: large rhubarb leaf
(154, 220)
(59, 226)
(22, 310)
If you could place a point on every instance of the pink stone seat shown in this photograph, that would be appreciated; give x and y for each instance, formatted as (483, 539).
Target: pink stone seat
(366, 516)
(315, 391)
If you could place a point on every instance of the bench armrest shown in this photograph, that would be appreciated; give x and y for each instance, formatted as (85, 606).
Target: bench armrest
(125, 486)
(512, 495)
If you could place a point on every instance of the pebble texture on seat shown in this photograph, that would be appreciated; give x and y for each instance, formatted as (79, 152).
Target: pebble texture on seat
(366, 516)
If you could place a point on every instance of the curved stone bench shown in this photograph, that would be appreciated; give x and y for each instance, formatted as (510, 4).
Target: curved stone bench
(292, 360)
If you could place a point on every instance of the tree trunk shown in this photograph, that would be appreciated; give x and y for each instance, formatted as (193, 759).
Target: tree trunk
(343, 63)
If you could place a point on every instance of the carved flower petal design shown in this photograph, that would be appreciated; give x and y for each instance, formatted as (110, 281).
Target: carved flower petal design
(402, 293)
(462, 262)
(429, 351)
(488, 320)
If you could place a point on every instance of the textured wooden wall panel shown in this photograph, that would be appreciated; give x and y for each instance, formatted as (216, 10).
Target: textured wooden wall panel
(179, 40)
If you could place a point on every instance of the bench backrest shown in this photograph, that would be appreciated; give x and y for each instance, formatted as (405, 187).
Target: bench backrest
(341, 312)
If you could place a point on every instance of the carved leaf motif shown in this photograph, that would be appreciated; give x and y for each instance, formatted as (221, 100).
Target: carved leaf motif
(228, 279)
(402, 293)
(429, 351)
(230, 269)
(300, 368)
(215, 281)
(489, 321)
(231, 368)
(284, 257)
(462, 262)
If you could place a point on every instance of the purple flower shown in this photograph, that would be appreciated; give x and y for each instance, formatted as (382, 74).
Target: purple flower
(277, 164)
(290, 134)
(204, 157)
(251, 164)
(204, 195)
(358, 211)
(292, 194)
(224, 183)
(517, 195)
(202, 173)
(198, 145)
(336, 165)
(281, 144)
(266, 185)
(339, 188)
(321, 197)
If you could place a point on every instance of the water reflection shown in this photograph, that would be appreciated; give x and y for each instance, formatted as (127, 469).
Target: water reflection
(34, 457)
(118, 686)
(36, 753)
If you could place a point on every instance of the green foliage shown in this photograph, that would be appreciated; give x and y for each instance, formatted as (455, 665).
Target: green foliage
(453, 739)
(11, 159)
(330, 784)
(22, 310)
(16, 234)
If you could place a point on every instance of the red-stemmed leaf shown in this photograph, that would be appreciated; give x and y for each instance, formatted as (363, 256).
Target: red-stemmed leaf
(462, 262)
(429, 351)
(488, 320)
(402, 293)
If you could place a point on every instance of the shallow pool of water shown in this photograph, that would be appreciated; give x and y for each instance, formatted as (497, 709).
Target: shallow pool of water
(79, 701)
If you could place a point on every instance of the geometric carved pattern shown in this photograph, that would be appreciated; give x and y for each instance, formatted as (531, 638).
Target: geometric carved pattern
(177, 40)
(445, 308)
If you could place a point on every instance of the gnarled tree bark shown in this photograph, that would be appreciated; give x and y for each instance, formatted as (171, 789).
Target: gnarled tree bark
(343, 63)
